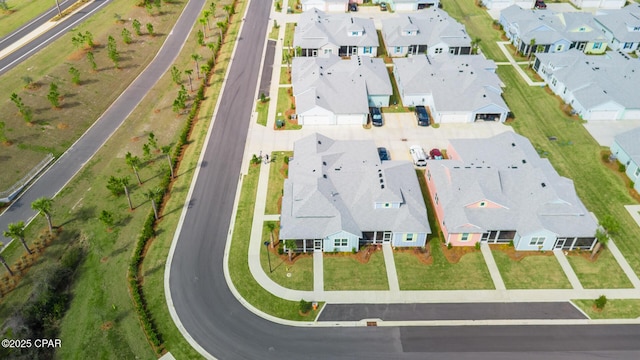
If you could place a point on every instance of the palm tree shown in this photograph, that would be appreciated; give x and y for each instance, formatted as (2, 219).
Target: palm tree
(151, 195)
(475, 45)
(221, 26)
(229, 10)
(16, 232)
(204, 21)
(271, 226)
(134, 162)
(189, 72)
(290, 245)
(43, 206)
(196, 58)
(124, 181)
(4, 262)
(532, 43)
(166, 151)
(205, 14)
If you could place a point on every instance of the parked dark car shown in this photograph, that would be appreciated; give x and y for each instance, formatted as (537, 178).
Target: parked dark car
(540, 4)
(375, 116)
(384, 154)
(422, 116)
(353, 7)
(436, 154)
(383, 6)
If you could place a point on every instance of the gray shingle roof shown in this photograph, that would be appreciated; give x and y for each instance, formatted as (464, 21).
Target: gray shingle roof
(506, 170)
(457, 83)
(431, 26)
(629, 141)
(621, 22)
(333, 186)
(340, 86)
(595, 80)
(316, 29)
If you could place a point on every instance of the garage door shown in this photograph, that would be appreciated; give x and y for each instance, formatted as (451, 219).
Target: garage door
(631, 115)
(454, 118)
(315, 120)
(337, 7)
(406, 7)
(603, 115)
(352, 119)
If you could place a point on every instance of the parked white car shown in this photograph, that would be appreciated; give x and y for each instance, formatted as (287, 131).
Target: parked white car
(418, 155)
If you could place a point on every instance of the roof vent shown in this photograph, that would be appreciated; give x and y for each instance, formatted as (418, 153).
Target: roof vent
(381, 181)
(324, 162)
(320, 143)
(381, 186)
(379, 175)
(543, 185)
(524, 161)
(513, 144)
(324, 176)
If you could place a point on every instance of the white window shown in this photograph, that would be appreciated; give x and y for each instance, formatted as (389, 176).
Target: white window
(537, 241)
(410, 238)
(436, 198)
(559, 47)
(327, 51)
(637, 173)
(597, 45)
(428, 174)
(554, 82)
(583, 29)
(387, 205)
(438, 50)
(355, 33)
(627, 45)
(398, 49)
(340, 242)
(366, 50)
(636, 28)
(483, 204)
(464, 237)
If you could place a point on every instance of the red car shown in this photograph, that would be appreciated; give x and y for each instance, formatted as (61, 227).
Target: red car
(436, 154)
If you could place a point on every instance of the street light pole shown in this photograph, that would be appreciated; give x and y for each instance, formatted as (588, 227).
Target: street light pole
(58, 6)
(266, 245)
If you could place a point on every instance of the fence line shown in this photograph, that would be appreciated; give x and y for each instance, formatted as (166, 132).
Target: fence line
(9, 194)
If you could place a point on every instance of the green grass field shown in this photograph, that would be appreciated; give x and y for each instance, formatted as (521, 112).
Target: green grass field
(532, 272)
(288, 34)
(343, 272)
(604, 273)
(284, 75)
(615, 309)
(262, 108)
(276, 181)
(21, 12)
(297, 276)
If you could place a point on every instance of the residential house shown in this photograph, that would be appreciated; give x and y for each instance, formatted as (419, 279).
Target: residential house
(596, 87)
(408, 5)
(325, 5)
(318, 33)
(544, 31)
(339, 195)
(457, 89)
(431, 31)
(626, 148)
(498, 190)
(600, 4)
(332, 91)
(503, 4)
(621, 27)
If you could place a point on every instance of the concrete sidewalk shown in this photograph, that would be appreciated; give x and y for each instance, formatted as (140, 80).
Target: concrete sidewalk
(516, 65)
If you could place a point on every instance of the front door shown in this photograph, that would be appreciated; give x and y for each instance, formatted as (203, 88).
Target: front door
(560, 243)
(317, 245)
(387, 236)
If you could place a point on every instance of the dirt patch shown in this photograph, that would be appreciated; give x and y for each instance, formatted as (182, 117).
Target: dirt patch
(106, 326)
(63, 126)
(422, 254)
(615, 167)
(514, 255)
(584, 254)
(104, 259)
(456, 253)
(363, 256)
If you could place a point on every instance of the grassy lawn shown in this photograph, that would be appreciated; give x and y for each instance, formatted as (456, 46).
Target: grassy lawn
(395, 101)
(531, 73)
(288, 34)
(284, 75)
(478, 24)
(604, 273)
(277, 173)
(293, 4)
(242, 279)
(273, 35)
(20, 12)
(297, 276)
(54, 130)
(343, 272)
(615, 309)
(262, 108)
(284, 107)
(470, 273)
(575, 155)
(532, 272)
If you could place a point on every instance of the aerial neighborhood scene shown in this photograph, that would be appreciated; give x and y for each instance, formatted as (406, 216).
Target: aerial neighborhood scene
(319, 179)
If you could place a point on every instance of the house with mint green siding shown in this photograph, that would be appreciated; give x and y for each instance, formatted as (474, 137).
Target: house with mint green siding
(339, 196)
(626, 148)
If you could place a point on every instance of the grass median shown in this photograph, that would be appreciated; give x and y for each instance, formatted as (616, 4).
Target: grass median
(21, 12)
(614, 309)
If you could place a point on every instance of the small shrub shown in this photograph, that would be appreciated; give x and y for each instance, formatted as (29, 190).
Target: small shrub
(511, 243)
(305, 306)
(281, 249)
(286, 160)
(449, 246)
(601, 302)
(632, 184)
(353, 250)
(255, 159)
(622, 167)
(477, 245)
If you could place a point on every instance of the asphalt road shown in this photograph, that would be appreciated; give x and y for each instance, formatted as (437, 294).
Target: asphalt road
(63, 170)
(227, 330)
(31, 48)
(27, 28)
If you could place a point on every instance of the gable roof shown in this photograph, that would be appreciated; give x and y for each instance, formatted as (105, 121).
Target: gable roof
(431, 26)
(505, 169)
(456, 83)
(316, 29)
(621, 22)
(340, 86)
(596, 80)
(333, 186)
(629, 141)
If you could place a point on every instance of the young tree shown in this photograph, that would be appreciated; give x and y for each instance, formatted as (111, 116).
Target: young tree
(150, 28)
(205, 70)
(146, 151)
(212, 47)
(134, 162)
(196, 58)
(166, 150)
(152, 140)
(106, 217)
(176, 75)
(290, 245)
(4, 6)
(16, 232)
(43, 207)
(152, 195)
(54, 96)
(92, 61)
(88, 39)
(189, 72)
(271, 226)
(3, 134)
(126, 36)
(200, 37)
(212, 9)
(229, 9)
(113, 51)
(136, 27)
(204, 21)
(24, 110)
(77, 40)
(4, 262)
(475, 45)
(75, 75)
(114, 186)
(222, 26)
(124, 181)
(158, 5)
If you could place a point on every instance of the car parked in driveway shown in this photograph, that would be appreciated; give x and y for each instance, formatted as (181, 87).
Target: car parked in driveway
(418, 155)
(422, 115)
(436, 154)
(383, 6)
(375, 116)
(540, 5)
(353, 7)
(384, 154)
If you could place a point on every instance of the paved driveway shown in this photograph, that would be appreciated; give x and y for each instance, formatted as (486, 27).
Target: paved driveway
(605, 131)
